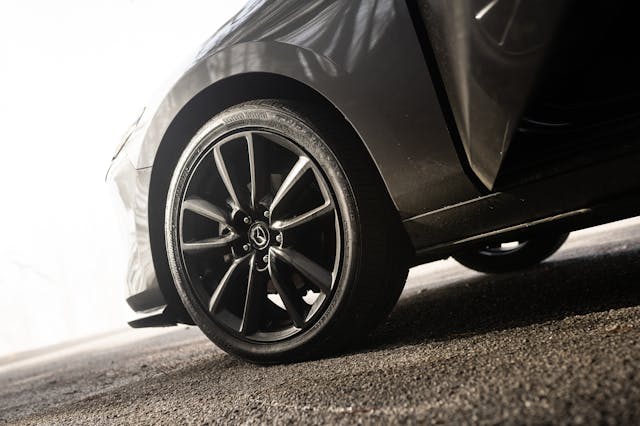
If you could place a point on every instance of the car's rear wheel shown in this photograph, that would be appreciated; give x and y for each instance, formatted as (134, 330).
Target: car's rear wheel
(511, 256)
(280, 238)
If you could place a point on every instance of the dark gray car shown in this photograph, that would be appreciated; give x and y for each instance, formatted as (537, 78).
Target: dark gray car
(314, 151)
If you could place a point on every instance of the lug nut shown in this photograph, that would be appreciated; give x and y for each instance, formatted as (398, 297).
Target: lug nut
(279, 238)
(266, 213)
(246, 247)
(266, 259)
(246, 220)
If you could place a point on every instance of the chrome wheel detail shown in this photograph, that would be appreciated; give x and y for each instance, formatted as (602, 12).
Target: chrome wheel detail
(258, 234)
(499, 257)
(501, 249)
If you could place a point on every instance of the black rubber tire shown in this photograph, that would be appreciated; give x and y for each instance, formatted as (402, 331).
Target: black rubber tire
(376, 250)
(530, 253)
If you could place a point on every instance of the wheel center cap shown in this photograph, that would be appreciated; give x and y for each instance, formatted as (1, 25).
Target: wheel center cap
(259, 235)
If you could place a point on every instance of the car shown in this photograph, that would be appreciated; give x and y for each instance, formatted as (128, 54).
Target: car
(312, 152)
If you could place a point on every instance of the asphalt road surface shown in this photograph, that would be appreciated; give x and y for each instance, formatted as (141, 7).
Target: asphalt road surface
(557, 343)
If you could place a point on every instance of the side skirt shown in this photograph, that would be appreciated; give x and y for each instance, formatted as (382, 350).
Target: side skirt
(579, 199)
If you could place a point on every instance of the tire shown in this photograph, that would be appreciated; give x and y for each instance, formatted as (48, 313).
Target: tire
(497, 258)
(304, 288)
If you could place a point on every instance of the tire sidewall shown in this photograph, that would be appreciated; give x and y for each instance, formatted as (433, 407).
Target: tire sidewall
(308, 139)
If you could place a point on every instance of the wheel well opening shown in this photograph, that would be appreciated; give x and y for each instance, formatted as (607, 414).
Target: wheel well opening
(206, 104)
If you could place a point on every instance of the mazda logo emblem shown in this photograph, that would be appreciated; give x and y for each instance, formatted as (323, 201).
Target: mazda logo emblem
(259, 235)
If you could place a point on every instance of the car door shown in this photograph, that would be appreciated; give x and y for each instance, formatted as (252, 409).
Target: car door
(489, 53)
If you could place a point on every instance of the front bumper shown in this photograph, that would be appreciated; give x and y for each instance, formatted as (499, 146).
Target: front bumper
(130, 187)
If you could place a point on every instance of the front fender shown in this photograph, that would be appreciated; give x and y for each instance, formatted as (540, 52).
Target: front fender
(362, 56)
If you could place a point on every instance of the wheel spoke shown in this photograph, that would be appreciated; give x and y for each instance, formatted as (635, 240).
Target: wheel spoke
(284, 224)
(258, 172)
(297, 171)
(254, 300)
(324, 189)
(307, 267)
(193, 247)
(252, 170)
(205, 209)
(224, 175)
(292, 302)
(224, 282)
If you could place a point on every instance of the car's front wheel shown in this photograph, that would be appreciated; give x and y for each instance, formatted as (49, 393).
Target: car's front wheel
(280, 238)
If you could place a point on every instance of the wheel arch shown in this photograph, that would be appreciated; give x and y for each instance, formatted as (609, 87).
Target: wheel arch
(195, 113)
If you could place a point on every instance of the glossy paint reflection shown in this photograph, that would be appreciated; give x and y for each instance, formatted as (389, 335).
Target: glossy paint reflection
(489, 53)
(343, 31)
(344, 50)
(363, 57)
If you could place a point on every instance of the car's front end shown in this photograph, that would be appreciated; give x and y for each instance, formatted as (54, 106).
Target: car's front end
(130, 187)
(311, 59)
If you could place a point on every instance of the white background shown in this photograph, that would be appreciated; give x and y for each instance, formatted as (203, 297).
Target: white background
(73, 76)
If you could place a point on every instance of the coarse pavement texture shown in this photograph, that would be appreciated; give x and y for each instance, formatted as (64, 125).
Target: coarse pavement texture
(558, 343)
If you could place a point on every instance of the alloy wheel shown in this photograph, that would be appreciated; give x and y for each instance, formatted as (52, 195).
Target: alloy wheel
(259, 235)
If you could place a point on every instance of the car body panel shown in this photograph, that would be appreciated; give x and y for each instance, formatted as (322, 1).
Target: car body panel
(533, 204)
(343, 50)
(489, 53)
(130, 186)
(367, 59)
